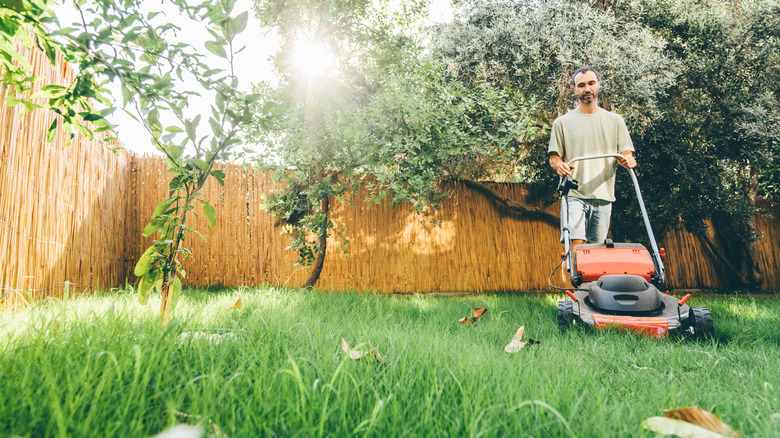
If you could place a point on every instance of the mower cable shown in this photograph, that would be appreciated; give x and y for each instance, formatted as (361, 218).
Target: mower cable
(549, 279)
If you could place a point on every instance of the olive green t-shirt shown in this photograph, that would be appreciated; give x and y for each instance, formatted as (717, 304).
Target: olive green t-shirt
(577, 135)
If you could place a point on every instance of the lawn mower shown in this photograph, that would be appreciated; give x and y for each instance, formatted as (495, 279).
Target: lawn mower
(619, 284)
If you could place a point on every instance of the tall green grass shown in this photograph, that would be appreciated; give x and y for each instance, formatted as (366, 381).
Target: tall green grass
(275, 368)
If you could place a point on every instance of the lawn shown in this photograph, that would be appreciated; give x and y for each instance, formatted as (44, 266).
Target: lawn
(103, 366)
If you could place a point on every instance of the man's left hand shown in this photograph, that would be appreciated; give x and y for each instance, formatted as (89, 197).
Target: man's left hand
(628, 161)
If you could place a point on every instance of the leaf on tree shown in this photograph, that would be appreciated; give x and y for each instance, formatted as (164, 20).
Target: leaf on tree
(216, 48)
(238, 304)
(517, 343)
(478, 312)
(357, 355)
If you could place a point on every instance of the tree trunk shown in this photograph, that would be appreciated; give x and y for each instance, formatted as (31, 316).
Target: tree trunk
(165, 294)
(323, 245)
(740, 252)
(723, 259)
(510, 205)
(739, 258)
(165, 289)
(751, 269)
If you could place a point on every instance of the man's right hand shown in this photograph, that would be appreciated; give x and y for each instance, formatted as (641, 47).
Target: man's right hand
(560, 166)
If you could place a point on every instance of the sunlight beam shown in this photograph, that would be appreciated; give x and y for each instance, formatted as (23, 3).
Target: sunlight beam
(312, 58)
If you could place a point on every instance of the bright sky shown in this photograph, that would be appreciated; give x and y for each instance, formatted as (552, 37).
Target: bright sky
(251, 66)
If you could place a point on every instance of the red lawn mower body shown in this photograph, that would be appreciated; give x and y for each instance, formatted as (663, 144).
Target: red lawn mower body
(618, 284)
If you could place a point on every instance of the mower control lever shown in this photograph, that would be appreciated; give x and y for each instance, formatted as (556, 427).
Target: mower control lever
(568, 183)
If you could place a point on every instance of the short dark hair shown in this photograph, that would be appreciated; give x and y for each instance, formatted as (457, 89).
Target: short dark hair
(583, 70)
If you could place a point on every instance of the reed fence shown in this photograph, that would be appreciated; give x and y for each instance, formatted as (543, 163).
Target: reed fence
(61, 208)
(475, 247)
(75, 214)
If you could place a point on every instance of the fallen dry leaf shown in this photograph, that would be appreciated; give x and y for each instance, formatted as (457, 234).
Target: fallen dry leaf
(238, 304)
(692, 422)
(700, 417)
(356, 355)
(668, 426)
(478, 312)
(517, 343)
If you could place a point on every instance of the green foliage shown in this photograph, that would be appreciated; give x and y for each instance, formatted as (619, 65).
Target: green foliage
(770, 177)
(299, 209)
(318, 145)
(123, 42)
(702, 156)
(697, 83)
(387, 110)
(191, 160)
(26, 21)
(421, 128)
(533, 48)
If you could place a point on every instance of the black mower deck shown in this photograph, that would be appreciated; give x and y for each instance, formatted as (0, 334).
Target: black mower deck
(690, 320)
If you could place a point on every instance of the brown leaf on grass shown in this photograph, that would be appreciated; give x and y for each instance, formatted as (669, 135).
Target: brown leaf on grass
(478, 312)
(516, 344)
(55, 326)
(700, 417)
(692, 422)
(356, 355)
(238, 304)
(668, 426)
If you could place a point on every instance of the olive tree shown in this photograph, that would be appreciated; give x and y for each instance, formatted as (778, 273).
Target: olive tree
(388, 111)
(314, 146)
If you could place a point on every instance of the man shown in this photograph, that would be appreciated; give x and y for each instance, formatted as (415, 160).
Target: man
(590, 130)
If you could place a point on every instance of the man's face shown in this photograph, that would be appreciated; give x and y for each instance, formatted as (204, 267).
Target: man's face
(587, 87)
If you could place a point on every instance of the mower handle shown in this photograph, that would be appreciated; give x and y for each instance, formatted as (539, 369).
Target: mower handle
(656, 254)
(592, 157)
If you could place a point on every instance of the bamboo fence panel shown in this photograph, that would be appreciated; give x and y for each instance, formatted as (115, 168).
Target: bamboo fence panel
(61, 208)
(474, 248)
(688, 263)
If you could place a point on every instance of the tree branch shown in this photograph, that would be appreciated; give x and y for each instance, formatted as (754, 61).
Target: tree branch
(509, 204)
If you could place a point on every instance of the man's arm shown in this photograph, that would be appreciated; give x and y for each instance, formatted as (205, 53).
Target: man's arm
(560, 166)
(628, 161)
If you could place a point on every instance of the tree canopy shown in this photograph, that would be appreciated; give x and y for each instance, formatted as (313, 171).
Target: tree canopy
(471, 100)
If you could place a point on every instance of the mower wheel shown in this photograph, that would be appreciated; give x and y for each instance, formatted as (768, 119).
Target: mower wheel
(701, 322)
(565, 314)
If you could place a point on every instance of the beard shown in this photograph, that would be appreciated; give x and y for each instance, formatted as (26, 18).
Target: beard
(586, 98)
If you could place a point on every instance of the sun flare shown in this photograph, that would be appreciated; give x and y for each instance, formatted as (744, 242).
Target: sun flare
(312, 58)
